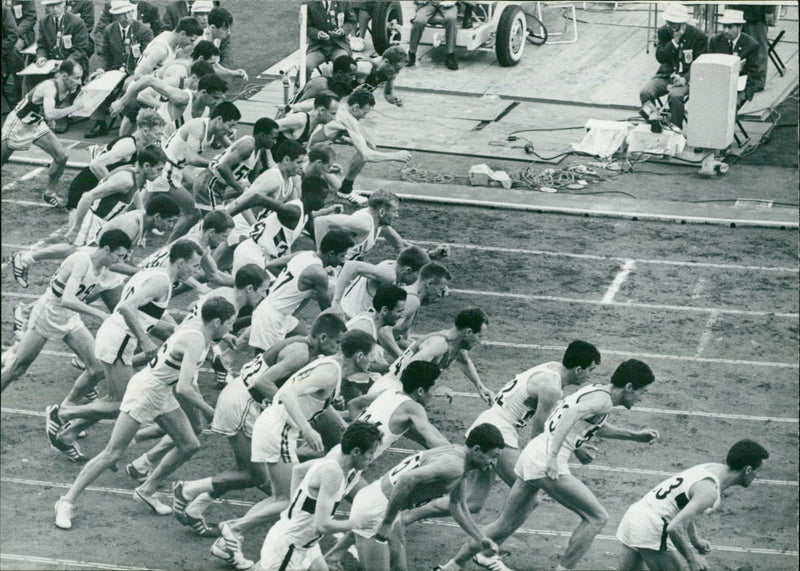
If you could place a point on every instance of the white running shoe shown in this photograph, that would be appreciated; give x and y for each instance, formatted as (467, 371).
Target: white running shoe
(491, 563)
(198, 506)
(229, 549)
(353, 198)
(152, 502)
(64, 513)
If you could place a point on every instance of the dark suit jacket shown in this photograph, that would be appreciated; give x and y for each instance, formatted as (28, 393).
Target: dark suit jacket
(10, 36)
(84, 9)
(748, 51)
(27, 21)
(113, 52)
(673, 59)
(74, 28)
(146, 13)
(175, 11)
(319, 20)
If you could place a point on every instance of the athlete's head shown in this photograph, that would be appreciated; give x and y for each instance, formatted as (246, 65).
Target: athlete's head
(211, 90)
(746, 457)
(265, 132)
(357, 345)
(199, 70)
(71, 73)
(164, 211)
(321, 157)
(218, 313)
(187, 31)
(224, 118)
(471, 325)
(326, 104)
(334, 246)
(631, 377)
(344, 69)
(205, 50)
(393, 59)
(253, 281)
(485, 443)
(409, 262)
(150, 127)
(581, 358)
(151, 161)
(386, 204)
(290, 156)
(433, 279)
(184, 256)
(359, 441)
(418, 378)
(327, 331)
(360, 103)
(115, 245)
(220, 22)
(389, 302)
(217, 225)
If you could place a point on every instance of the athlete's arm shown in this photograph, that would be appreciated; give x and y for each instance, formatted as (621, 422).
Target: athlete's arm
(176, 96)
(398, 242)
(239, 151)
(154, 58)
(389, 344)
(290, 360)
(192, 353)
(403, 325)
(357, 226)
(317, 279)
(610, 431)
(48, 91)
(468, 367)
(194, 130)
(320, 380)
(547, 396)
(359, 404)
(419, 421)
(292, 122)
(704, 494)
(353, 269)
(372, 156)
(122, 150)
(460, 513)
(329, 479)
(118, 182)
(700, 544)
(69, 299)
(151, 290)
(591, 405)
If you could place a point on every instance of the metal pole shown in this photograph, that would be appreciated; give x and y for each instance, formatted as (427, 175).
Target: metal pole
(303, 40)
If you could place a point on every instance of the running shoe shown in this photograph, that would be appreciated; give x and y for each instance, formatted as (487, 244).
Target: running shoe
(20, 270)
(136, 474)
(353, 198)
(152, 502)
(491, 563)
(19, 321)
(221, 550)
(64, 513)
(200, 527)
(52, 200)
(52, 425)
(77, 363)
(73, 452)
(221, 374)
(198, 505)
(179, 502)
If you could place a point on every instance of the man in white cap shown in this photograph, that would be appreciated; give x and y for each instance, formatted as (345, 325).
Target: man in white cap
(62, 35)
(679, 44)
(733, 41)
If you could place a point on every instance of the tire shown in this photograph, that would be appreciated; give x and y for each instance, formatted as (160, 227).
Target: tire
(511, 36)
(385, 13)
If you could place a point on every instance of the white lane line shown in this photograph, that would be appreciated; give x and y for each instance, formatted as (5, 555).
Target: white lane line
(68, 563)
(120, 491)
(23, 202)
(607, 258)
(612, 290)
(634, 305)
(30, 174)
(707, 331)
(10, 185)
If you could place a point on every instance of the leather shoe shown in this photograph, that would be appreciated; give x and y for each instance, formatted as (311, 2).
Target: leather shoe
(411, 60)
(60, 126)
(451, 62)
(98, 130)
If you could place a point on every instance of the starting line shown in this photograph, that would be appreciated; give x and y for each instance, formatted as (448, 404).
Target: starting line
(69, 563)
(524, 531)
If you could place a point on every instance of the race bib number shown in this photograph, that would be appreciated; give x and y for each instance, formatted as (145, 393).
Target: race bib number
(17, 11)
(67, 39)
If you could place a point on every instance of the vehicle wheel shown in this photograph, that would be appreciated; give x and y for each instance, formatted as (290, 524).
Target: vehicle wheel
(383, 34)
(511, 33)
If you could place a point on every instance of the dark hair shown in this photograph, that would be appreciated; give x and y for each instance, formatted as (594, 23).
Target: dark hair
(164, 205)
(361, 435)
(382, 199)
(362, 98)
(227, 110)
(487, 436)
(288, 148)
(184, 250)
(220, 18)
(356, 341)
(580, 354)
(634, 372)
(473, 317)
(321, 152)
(336, 241)
(313, 192)
(388, 296)
(218, 220)
(419, 375)
(343, 64)
(328, 323)
(201, 69)
(264, 125)
(250, 275)
(434, 271)
(412, 257)
(212, 83)
(746, 453)
(189, 26)
(204, 49)
(217, 307)
(324, 99)
(394, 54)
(115, 239)
(152, 155)
(67, 67)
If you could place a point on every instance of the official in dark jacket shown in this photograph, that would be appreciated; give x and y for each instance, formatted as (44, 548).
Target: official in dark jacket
(757, 19)
(735, 42)
(145, 13)
(24, 12)
(62, 36)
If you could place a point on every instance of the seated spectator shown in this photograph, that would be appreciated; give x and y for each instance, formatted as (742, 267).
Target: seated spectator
(679, 44)
(25, 17)
(12, 59)
(62, 36)
(146, 14)
(364, 10)
(757, 20)
(342, 81)
(327, 36)
(735, 42)
(84, 9)
(425, 11)
(123, 44)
